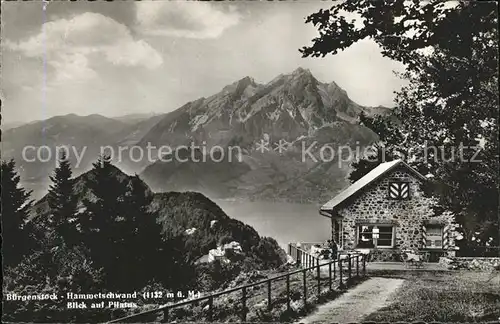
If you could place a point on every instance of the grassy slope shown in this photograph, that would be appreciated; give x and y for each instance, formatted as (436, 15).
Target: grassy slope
(444, 297)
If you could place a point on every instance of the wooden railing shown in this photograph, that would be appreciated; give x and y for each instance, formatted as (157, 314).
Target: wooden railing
(331, 271)
(348, 262)
(301, 255)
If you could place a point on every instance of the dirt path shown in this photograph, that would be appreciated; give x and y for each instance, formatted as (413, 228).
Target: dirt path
(356, 303)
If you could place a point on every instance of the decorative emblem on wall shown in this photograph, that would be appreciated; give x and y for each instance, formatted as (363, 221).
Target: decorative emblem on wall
(399, 190)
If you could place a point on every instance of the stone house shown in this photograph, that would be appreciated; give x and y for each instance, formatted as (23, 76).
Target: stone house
(386, 212)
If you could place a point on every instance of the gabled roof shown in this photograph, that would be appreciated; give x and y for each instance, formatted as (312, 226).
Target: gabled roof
(369, 178)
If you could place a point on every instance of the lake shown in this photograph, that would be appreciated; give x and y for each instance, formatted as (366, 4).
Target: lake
(285, 222)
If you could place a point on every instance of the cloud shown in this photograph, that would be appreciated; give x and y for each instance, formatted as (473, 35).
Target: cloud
(67, 45)
(184, 19)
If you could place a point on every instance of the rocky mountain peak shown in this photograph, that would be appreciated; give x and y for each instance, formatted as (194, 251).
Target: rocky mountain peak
(300, 79)
(295, 103)
(240, 85)
(247, 81)
(301, 71)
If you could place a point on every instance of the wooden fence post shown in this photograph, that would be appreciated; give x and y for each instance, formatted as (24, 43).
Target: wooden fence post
(299, 257)
(364, 265)
(269, 295)
(330, 275)
(244, 303)
(318, 274)
(304, 273)
(288, 292)
(340, 273)
(210, 308)
(349, 267)
(165, 315)
(357, 265)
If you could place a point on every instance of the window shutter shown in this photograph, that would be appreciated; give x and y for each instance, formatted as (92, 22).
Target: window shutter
(445, 237)
(424, 236)
(399, 190)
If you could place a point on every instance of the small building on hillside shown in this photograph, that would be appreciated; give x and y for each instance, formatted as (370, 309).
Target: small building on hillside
(386, 211)
(222, 252)
(217, 254)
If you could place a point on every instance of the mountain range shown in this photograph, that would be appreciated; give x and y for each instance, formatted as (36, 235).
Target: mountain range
(246, 121)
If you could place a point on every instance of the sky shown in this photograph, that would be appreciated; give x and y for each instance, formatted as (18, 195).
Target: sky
(117, 58)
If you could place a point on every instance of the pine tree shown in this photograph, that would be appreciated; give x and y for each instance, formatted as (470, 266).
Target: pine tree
(63, 203)
(15, 203)
(108, 194)
(104, 213)
(124, 236)
(141, 240)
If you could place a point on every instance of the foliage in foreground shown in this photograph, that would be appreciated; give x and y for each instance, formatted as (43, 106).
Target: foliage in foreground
(107, 232)
(449, 110)
(52, 272)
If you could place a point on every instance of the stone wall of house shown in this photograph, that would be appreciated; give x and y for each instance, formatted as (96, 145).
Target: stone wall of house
(471, 263)
(408, 216)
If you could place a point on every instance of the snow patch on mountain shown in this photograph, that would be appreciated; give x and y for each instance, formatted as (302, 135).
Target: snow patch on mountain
(198, 121)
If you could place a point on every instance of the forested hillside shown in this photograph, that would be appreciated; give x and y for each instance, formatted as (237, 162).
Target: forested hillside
(105, 231)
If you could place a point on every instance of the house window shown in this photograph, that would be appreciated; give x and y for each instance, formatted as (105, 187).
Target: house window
(434, 236)
(365, 236)
(399, 190)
